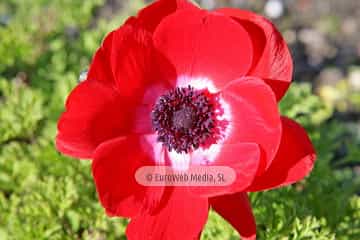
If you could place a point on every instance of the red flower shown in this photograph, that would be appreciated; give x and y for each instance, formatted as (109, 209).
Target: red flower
(181, 86)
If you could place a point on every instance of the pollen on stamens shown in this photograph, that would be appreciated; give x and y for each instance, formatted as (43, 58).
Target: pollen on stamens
(185, 119)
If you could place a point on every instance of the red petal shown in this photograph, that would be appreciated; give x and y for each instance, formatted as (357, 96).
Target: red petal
(152, 15)
(94, 113)
(114, 166)
(135, 63)
(100, 69)
(183, 217)
(255, 115)
(272, 59)
(191, 41)
(123, 73)
(244, 159)
(294, 160)
(236, 209)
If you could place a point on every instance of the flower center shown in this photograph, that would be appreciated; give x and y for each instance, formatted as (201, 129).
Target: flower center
(184, 119)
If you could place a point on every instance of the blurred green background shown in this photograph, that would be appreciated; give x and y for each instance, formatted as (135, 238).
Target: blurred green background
(45, 44)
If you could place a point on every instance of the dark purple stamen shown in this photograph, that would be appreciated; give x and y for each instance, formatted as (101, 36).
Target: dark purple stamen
(184, 119)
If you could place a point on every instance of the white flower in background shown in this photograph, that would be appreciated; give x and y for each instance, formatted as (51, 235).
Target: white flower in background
(274, 8)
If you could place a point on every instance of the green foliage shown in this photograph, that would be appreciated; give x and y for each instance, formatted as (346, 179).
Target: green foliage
(44, 195)
(21, 111)
(299, 103)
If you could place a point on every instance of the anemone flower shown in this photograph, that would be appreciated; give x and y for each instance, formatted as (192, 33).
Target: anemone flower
(179, 86)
